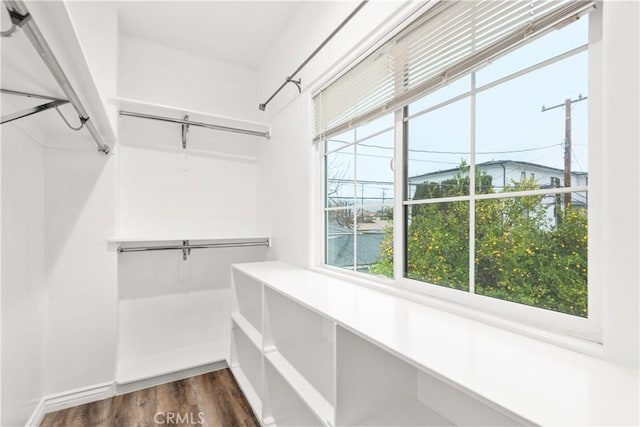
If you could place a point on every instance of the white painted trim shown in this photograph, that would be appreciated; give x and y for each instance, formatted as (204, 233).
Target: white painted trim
(128, 387)
(417, 293)
(365, 206)
(68, 399)
(37, 415)
(357, 141)
(505, 195)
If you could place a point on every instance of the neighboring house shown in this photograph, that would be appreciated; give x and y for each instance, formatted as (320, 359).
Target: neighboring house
(340, 246)
(504, 172)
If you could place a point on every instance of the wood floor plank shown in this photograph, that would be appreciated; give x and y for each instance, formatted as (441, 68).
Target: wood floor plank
(98, 413)
(144, 406)
(204, 390)
(213, 399)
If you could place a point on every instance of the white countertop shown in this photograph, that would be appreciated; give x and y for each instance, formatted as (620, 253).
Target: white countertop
(540, 382)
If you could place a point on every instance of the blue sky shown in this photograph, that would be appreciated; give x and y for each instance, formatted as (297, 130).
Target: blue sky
(509, 122)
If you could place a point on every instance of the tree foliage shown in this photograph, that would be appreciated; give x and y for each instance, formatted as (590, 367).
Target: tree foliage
(528, 249)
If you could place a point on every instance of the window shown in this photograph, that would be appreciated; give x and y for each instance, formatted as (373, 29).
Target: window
(360, 197)
(493, 201)
(507, 235)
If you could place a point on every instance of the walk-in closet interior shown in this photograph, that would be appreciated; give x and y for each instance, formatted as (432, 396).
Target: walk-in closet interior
(333, 201)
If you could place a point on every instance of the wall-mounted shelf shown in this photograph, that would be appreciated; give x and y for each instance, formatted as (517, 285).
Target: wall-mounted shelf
(156, 126)
(191, 237)
(187, 245)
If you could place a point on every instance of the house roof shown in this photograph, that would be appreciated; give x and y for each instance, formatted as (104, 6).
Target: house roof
(501, 162)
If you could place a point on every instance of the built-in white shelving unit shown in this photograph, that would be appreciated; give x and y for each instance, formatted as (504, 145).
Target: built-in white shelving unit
(333, 353)
(299, 344)
(284, 406)
(246, 365)
(248, 300)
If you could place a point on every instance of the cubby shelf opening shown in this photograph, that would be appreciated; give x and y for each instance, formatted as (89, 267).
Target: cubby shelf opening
(302, 338)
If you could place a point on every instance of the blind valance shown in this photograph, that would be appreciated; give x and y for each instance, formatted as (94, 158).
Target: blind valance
(449, 40)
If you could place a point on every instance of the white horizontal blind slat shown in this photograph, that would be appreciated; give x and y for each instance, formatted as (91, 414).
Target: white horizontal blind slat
(451, 38)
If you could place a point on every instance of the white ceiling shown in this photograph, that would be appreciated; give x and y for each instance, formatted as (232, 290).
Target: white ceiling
(237, 32)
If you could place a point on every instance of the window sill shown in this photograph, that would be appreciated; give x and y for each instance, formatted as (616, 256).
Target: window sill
(391, 287)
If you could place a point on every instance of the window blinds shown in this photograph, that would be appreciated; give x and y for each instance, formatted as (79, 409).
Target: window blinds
(449, 40)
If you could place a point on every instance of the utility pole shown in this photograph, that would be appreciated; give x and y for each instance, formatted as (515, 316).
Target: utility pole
(567, 141)
(384, 191)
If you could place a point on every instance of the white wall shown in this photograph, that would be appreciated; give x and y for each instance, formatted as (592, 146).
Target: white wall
(289, 157)
(310, 26)
(285, 185)
(159, 74)
(96, 24)
(22, 274)
(58, 335)
(620, 186)
(160, 195)
(215, 197)
(288, 166)
(80, 335)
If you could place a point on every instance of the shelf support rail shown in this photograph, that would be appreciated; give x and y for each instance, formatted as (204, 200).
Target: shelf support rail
(52, 103)
(32, 31)
(186, 247)
(188, 122)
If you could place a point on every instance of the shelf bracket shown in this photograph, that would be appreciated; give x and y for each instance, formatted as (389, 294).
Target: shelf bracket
(186, 251)
(185, 129)
(53, 103)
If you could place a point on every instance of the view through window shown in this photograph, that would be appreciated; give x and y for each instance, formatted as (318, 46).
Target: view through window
(496, 181)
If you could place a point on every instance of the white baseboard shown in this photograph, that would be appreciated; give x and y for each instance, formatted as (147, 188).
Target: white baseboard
(129, 386)
(80, 396)
(68, 399)
(37, 415)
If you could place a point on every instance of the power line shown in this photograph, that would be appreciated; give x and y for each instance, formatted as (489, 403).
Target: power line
(415, 150)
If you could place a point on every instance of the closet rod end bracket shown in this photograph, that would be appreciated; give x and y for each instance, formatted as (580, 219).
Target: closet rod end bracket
(186, 251)
(17, 21)
(185, 129)
(295, 82)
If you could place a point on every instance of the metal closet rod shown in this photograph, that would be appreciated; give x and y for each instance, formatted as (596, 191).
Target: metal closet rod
(290, 79)
(264, 242)
(193, 123)
(21, 18)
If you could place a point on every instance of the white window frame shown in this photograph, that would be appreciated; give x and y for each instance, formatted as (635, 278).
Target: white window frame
(549, 325)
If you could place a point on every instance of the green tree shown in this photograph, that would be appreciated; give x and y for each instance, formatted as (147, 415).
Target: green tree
(521, 253)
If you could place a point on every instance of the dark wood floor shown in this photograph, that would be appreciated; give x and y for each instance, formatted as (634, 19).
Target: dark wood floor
(212, 399)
